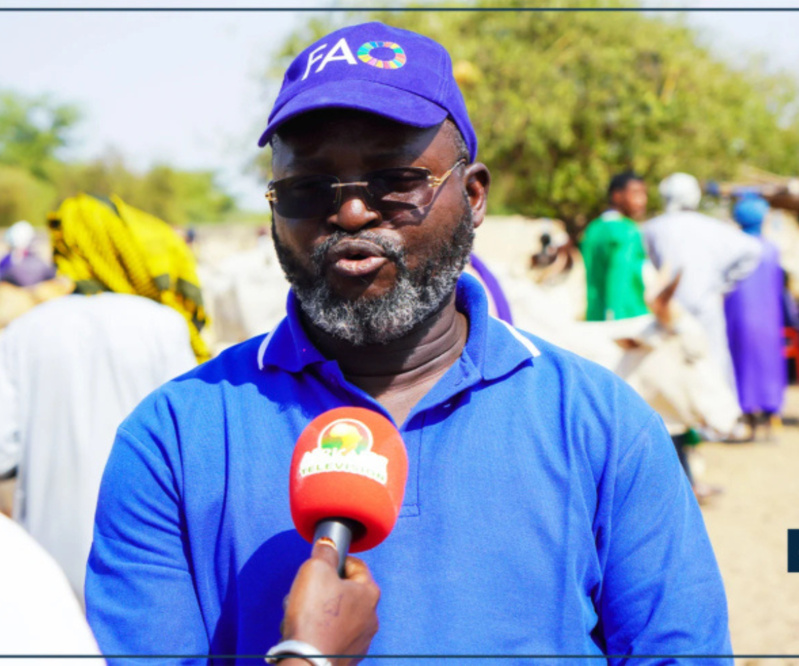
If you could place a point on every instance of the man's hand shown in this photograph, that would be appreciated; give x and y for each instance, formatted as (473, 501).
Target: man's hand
(335, 615)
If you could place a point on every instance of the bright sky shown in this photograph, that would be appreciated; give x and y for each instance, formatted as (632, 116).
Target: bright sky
(186, 87)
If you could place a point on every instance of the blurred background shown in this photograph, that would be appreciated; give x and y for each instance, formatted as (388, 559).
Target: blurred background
(164, 109)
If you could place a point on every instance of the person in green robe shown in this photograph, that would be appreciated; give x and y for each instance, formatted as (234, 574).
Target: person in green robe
(614, 253)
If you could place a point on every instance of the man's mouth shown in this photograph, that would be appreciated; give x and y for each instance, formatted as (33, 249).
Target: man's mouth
(356, 257)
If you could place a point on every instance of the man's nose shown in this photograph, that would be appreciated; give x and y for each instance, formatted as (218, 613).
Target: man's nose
(354, 213)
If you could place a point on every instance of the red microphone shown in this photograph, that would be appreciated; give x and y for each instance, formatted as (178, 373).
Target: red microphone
(347, 479)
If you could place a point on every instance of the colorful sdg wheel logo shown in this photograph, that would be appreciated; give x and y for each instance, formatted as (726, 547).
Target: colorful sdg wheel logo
(346, 436)
(385, 55)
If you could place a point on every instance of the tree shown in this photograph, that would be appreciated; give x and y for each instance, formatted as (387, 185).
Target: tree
(184, 196)
(34, 178)
(178, 197)
(23, 197)
(561, 101)
(32, 130)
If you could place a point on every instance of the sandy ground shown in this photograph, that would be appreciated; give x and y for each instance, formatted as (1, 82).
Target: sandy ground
(748, 527)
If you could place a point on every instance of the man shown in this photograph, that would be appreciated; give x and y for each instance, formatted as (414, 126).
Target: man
(754, 325)
(614, 253)
(545, 510)
(710, 256)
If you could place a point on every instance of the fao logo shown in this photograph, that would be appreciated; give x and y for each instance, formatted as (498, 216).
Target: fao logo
(385, 55)
(380, 54)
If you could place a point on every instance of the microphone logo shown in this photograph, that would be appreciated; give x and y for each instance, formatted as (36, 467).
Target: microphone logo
(346, 435)
(345, 445)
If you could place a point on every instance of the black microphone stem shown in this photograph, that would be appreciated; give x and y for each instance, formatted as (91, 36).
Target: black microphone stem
(339, 531)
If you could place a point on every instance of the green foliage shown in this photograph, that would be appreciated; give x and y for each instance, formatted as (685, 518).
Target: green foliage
(561, 101)
(32, 130)
(34, 179)
(179, 197)
(194, 194)
(22, 196)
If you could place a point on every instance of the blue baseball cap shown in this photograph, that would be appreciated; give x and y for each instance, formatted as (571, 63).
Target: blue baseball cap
(379, 69)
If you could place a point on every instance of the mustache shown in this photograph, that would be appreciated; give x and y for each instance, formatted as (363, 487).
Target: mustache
(392, 249)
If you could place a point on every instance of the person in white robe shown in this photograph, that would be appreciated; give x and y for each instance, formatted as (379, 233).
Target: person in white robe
(71, 370)
(710, 255)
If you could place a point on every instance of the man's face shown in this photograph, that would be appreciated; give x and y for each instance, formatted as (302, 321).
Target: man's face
(361, 275)
(631, 201)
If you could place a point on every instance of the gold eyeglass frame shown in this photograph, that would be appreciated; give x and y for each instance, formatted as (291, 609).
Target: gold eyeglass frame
(433, 181)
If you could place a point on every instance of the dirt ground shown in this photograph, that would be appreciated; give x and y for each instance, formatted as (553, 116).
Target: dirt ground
(748, 526)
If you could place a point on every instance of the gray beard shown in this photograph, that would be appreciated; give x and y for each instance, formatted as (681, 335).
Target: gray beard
(416, 295)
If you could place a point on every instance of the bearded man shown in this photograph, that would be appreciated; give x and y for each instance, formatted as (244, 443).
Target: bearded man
(545, 510)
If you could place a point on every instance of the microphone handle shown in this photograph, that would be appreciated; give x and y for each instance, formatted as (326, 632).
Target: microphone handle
(339, 531)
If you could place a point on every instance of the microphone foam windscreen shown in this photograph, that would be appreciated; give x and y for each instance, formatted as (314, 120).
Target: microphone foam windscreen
(349, 462)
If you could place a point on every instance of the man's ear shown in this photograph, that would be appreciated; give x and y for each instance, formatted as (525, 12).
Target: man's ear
(477, 181)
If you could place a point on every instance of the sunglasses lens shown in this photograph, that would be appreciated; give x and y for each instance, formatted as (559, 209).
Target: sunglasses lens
(305, 197)
(389, 191)
(392, 187)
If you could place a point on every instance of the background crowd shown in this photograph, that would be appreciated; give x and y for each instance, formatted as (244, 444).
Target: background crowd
(729, 278)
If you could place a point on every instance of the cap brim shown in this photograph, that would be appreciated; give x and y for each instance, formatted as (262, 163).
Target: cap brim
(360, 95)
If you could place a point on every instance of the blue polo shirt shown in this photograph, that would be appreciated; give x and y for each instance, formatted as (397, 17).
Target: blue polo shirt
(545, 511)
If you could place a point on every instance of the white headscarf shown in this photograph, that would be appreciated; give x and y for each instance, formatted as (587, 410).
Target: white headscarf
(20, 235)
(680, 191)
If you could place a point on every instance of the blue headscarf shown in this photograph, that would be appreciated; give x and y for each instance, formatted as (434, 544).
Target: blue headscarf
(750, 212)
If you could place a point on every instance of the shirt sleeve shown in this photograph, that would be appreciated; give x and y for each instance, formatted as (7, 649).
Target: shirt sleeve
(740, 256)
(662, 592)
(140, 597)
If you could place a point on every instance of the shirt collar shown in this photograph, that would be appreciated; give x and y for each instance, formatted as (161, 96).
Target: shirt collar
(493, 348)
(288, 346)
(611, 215)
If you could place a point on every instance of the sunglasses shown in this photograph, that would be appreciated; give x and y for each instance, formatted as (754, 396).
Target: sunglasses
(389, 192)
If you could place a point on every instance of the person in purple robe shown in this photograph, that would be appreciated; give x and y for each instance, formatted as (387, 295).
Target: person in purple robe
(21, 266)
(754, 313)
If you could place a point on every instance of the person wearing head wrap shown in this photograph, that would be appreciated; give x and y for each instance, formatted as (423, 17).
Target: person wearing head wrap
(73, 368)
(108, 245)
(754, 323)
(710, 255)
(749, 212)
(21, 266)
(680, 192)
